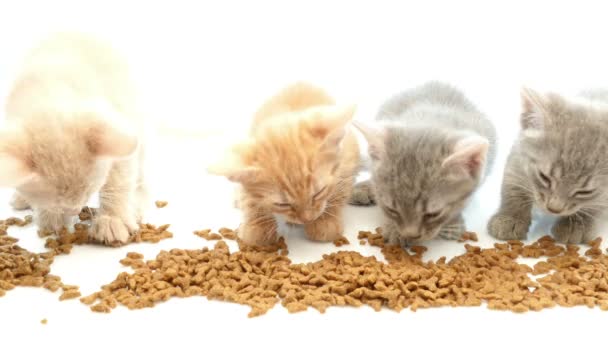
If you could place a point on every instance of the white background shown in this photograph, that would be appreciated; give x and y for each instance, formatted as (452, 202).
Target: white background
(205, 66)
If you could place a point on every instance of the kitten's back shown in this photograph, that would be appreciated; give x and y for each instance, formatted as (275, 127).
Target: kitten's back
(293, 98)
(68, 70)
(439, 107)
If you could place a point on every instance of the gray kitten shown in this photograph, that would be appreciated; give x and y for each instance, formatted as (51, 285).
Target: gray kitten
(431, 151)
(560, 164)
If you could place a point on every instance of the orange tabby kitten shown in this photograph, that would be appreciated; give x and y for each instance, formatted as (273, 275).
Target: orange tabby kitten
(298, 165)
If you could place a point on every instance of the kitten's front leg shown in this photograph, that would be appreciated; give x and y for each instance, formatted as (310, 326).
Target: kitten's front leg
(453, 229)
(391, 235)
(50, 221)
(574, 229)
(117, 216)
(258, 229)
(326, 227)
(363, 194)
(513, 218)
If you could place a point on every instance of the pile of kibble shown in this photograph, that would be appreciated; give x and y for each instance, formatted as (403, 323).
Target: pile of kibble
(20, 267)
(261, 278)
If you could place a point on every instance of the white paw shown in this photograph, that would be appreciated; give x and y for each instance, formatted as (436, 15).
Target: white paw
(113, 229)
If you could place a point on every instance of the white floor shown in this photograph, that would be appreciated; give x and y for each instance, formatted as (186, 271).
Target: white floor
(199, 201)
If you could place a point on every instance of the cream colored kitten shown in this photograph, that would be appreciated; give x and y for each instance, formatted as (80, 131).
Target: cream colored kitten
(72, 130)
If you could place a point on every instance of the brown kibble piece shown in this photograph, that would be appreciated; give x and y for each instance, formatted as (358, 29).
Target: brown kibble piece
(468, 236)
(44, 321)
(341, 241)
(207, 234)
(161, 204)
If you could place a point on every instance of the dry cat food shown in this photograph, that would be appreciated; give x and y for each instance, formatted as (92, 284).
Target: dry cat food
(468, 236)
(263, 277)
(44, 321)
(207, 234)
(20, 267)
(341, 241)
(161, 204)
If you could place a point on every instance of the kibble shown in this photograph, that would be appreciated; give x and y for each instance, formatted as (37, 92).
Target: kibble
(341, 241)
(261, 277)
(161, 204)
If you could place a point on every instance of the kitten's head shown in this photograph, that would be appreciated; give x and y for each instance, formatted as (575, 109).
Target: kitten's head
(564, 153)
(423, 178)
(290, 167)
(57, 165)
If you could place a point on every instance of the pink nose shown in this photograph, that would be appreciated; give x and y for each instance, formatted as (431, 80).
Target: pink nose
(308, 216)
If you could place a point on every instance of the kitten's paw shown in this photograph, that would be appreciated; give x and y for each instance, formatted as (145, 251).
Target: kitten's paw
(256, 235)
(392, 237)
(363, 194)
(50, 221)
(506, 227)
(571, 231)
(452, 231)
(324, 229)
(18, 202)
(112, 230)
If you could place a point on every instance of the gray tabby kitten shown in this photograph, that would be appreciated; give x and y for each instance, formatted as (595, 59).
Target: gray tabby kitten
(560, 164)
(430, 152)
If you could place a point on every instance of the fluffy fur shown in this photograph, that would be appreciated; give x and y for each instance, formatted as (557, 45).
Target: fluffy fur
(72, 130)
(559, 164)
(430, 150)
(298, 164)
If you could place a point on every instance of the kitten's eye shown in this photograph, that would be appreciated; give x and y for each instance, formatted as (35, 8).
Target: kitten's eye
(391, 212)
(319, 193)
(282, 205)
(544, 179)
(583, 193)
(431, 216)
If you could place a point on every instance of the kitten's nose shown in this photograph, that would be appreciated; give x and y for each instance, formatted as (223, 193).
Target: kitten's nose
(554, 206)
(308, 215)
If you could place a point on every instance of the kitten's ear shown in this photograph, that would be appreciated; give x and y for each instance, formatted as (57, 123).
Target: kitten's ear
(329, 124)
(468, 157)
(233, 168)
(374, 137)
(14, 171)
(112, 141)
(533, 111)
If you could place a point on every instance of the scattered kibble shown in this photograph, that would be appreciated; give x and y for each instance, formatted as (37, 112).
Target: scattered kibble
(341, 241)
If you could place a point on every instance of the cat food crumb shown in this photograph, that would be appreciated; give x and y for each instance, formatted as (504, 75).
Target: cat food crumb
(69, 294)
(44, 321)
(362, 242)
(161, 204)
(341, 241)
(207, 234)
(228, 234)
(87, 213)
(468, 236)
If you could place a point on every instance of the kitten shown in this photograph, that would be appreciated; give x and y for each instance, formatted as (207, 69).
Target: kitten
(559, 163)
(431, 151)
(71, 131)
(298, 165)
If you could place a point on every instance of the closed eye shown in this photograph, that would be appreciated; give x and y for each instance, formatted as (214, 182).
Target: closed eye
(431, 215)
(391, 212)
(544, 179)
(583, 193)
(319, 193)
(282, 205)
